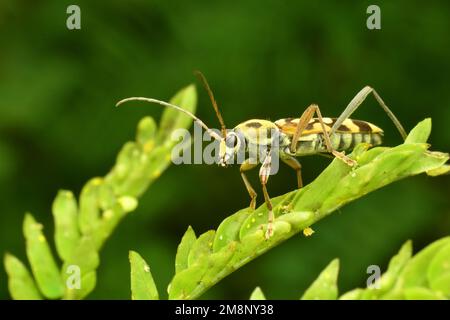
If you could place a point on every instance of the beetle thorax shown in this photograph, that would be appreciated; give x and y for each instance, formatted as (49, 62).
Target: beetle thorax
(256, 131)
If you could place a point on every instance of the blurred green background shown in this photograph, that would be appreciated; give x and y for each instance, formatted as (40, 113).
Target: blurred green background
(271, 59)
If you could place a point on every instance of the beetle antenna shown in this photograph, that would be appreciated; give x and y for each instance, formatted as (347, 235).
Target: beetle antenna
(203, 80)
(169, 105)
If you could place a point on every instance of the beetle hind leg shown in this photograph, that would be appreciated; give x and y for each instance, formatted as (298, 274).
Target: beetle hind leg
(294, 164)
(303, 122)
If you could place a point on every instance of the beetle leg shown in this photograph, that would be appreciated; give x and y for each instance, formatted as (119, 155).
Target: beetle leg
(264, 174)
(245, 166)
(357, 101)
(303, 123)
(294, 164)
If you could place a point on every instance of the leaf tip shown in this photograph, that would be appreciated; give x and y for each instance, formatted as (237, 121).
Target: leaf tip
(257, 294)
(29, 222)
(420, 133)
(7, 259)
(335, 262)
(408, 245)
(132, 255)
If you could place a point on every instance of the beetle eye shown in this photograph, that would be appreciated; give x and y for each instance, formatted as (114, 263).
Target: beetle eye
(231, 141)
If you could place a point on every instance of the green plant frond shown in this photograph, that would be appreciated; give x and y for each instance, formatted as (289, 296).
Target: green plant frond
(414, 277)
(422, 277)
(86, 258)
(43, 264)
(142, 285)
(67, 234)
(21, 284)
(438, 273)
(423, 269)
(82, 227)
(181, 259)
(240, 237)
(420, 133)
(325, 286)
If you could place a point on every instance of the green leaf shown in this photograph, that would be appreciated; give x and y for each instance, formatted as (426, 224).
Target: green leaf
(255, 219)
(439, 270)
(43, 265)
(298, 220)
(354, 294)
(420, 133)
(145, 135)
(80, 234)
(89, 214)
(421, 293)
(110, 219)
(87, 283)
(186, 281)
(369, 294)
(325, 286)
(441, 285)
(429, 162)
(384, 169)
(391, 287)
(66, 226)
(228, 230)
(370, 155)
(142, 285)
(83, 261)
(174, 119)
(217, 263)
(387, 280)
(106, 197)
(406, 277)
(85, 255)
(415, 273)
(312, 197)
(123, 168)
(185, 246)
(445, 169)
(396, 265)
(139, 164)
(248, 248)
(20, 282)
(201, 247)
(257, 294)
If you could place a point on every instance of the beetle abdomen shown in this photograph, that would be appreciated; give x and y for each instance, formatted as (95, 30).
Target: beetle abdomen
(315, 143)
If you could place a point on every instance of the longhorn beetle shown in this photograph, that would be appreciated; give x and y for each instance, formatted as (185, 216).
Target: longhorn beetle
(297, 137)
